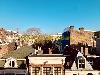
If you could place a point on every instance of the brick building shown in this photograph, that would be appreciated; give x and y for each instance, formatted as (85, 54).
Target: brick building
(78, 36)
(74, 37)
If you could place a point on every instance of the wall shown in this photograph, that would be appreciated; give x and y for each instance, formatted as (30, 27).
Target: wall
(98, 45)
(81, 72)
(48, 60)
(81, 37)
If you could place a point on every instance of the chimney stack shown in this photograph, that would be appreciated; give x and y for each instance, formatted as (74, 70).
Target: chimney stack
(50, 50)
(71, 27)
(86, 51)
(82, 50)
(81, 29)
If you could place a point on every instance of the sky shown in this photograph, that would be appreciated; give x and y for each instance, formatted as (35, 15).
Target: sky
(49, 15)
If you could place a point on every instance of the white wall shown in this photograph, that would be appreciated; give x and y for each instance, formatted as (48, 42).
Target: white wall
(82, 72)
(50, 60)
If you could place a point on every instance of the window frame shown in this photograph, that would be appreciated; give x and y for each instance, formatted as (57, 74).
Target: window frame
(35, 70)
(12, 63)
(81, 63)
(46, 70)
(57, 70)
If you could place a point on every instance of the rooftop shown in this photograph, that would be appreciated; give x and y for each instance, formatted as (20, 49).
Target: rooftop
(20, 53)
(47, 55)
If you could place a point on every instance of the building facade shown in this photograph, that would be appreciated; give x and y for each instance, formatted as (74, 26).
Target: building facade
(12, 66)
(73, 36)
(46, 64)
(81, 66)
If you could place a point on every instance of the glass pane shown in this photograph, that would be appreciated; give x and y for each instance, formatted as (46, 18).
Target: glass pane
(48, 68)
(81, 65)
(55, 69)
(81, 61)
(59, 69)
(13, 63)
(36, 70)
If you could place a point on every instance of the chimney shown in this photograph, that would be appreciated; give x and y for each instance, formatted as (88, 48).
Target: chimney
(39, 48)
(82, 50)
(86, 51)
(71, 27)
(81, 29)
(50, 50)
(36, 51)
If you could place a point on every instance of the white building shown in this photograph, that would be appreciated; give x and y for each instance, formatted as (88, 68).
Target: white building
(46, 64)
(11, 65)
(81, 67)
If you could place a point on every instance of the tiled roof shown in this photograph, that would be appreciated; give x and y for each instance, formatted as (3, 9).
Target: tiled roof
(17, 54)
(2, 63)
(21, 53)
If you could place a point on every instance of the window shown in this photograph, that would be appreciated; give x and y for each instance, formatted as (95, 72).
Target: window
(36, 71)
(46, 70)
(81, 63)
(57, 70)
(89, 74)
(20, 74)
(74, 74)
(12, 64)
(91, 62)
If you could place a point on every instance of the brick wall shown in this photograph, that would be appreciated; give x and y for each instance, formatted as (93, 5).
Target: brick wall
(3, 50)
(81, 36)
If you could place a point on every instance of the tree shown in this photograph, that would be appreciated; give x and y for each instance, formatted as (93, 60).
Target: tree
(33, 31)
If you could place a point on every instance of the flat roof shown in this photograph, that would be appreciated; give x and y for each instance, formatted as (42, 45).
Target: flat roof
(47, 55)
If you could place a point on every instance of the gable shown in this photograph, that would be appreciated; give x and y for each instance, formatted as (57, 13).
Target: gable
(11, 63)
(81, 63)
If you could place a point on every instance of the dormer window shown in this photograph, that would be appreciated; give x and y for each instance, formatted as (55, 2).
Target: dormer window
(11, 63)
(81, 63)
